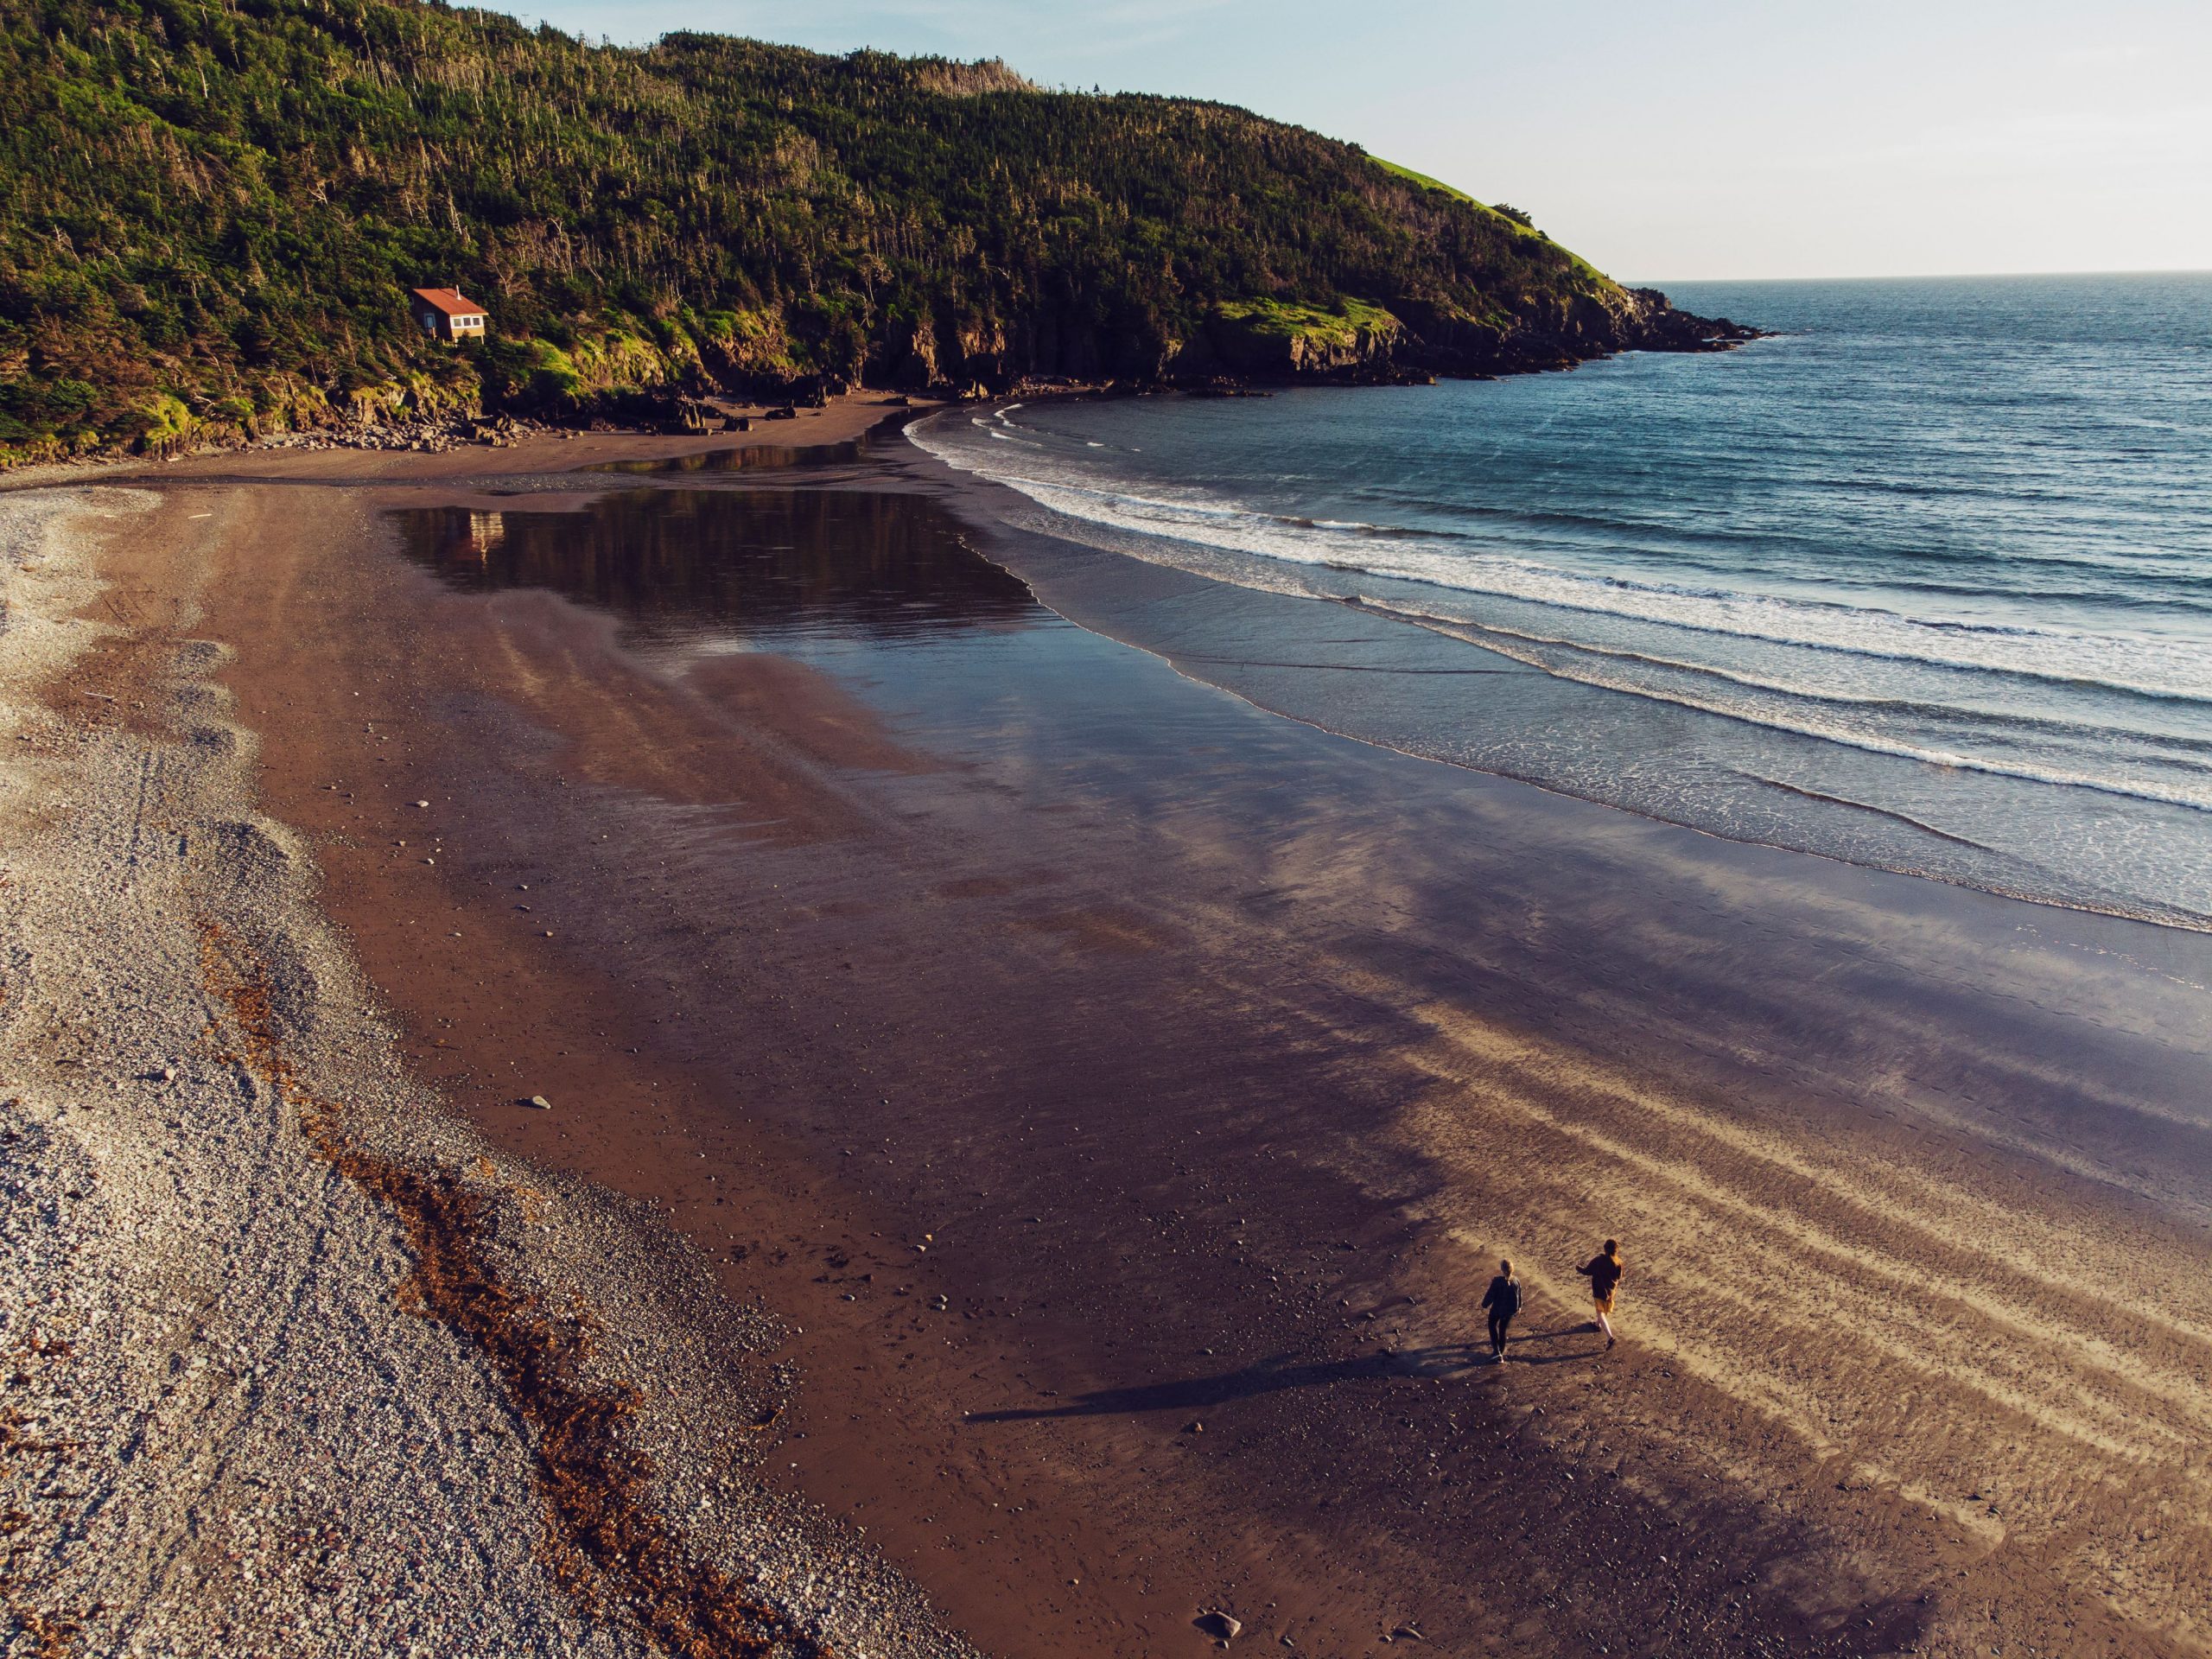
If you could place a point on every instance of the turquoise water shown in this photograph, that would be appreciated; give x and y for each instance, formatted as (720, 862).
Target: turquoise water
(1924, 582)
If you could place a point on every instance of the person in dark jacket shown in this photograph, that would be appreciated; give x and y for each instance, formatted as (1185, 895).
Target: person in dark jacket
(1604, 1271)
(1502, 1298)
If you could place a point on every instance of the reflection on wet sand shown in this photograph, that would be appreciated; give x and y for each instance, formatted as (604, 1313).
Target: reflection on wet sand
(761, 563)
(753, 458)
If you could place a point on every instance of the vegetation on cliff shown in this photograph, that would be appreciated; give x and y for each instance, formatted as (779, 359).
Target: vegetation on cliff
(211, 214)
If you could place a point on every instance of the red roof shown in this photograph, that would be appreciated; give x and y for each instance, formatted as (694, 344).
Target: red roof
(450, 300)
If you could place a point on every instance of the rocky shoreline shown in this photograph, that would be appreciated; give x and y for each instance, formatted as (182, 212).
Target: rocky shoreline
(1248, 356)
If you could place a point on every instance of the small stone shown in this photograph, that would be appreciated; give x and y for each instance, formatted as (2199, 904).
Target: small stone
(539, 1102)
(1218, 1624)
(422, 803)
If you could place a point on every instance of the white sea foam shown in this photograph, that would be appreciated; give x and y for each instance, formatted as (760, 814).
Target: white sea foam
(1831, 731)
(1822, 691)
(2140, 665)
(1812, 705)
(1946, 561)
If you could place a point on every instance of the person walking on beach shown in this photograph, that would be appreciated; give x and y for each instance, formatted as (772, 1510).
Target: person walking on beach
(1604, 1272)
(1502, 1298)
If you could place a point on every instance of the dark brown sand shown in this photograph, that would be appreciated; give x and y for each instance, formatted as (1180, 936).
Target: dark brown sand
(1202, 1063)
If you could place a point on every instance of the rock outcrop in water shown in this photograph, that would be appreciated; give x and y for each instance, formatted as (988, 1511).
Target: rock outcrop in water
(1559, 332)
(1359, 344)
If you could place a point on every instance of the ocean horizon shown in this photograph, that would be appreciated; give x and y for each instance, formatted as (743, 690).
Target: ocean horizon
(1667, 285)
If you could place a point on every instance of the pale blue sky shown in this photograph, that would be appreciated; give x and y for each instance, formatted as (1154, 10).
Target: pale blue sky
(1692, 140)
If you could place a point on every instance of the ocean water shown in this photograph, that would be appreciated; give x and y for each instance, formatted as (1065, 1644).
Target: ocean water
(1924, 582)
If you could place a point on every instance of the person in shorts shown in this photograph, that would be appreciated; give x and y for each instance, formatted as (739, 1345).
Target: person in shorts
(1604, 1271)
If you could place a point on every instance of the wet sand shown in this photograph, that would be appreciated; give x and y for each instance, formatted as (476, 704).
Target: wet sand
(297, 1361)
(903, 942)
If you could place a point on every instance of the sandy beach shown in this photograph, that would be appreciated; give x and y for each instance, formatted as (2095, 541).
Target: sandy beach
(298, 1362)
(1028, 1129)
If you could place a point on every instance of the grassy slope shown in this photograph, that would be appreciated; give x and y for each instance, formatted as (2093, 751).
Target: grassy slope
(1339, 326)
(1427, 183)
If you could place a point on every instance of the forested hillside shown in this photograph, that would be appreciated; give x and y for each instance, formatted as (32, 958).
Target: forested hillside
(213, 210)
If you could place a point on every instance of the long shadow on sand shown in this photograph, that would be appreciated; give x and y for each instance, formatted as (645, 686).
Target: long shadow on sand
(1275, 1375)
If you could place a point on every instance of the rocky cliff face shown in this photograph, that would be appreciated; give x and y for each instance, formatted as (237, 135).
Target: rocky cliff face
(1237, 344)
(1247, 343)
(1268, 342)
(1558, 333)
